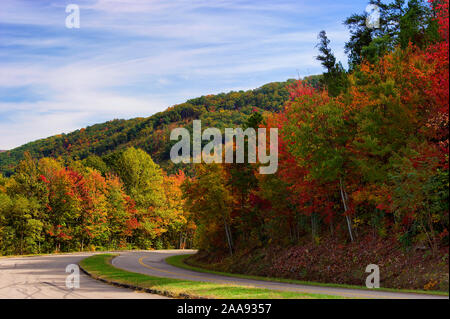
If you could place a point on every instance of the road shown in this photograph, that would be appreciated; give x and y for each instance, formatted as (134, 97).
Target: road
(44, 277)
(152, 263)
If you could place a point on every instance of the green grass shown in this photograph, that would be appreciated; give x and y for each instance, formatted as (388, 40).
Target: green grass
(100, 267)
(181, 262)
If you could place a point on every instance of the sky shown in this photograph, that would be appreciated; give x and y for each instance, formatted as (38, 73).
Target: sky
(133, 58)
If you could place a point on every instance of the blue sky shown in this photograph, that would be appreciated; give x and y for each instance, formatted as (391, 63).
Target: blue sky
(133, 58)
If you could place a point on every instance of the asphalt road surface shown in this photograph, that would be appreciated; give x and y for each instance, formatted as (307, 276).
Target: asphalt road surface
(44, 277)
(152, 263)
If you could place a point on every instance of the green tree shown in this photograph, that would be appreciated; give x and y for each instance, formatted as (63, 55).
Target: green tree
(401, 22)
(141, 176)
(335, 77)
(97, 163)
(22, 228)
(143, 181)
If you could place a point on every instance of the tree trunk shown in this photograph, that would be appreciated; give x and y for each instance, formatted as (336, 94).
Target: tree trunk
(313, 227)
(21, 243)
(331, 228)
(344, 202)
(228, 234)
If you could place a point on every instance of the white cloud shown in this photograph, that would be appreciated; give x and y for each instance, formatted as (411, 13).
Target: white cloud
(137, 57)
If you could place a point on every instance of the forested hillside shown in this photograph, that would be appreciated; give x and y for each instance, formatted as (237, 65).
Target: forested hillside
(152, 133)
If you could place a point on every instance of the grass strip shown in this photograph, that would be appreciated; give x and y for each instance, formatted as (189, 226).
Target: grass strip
(99, 267)
(181, 261)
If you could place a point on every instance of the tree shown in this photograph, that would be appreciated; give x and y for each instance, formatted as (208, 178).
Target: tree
(143, 181)
(97, 163)
(317, 134)
(177, 221)
(142, 178)
(241, 179)
(335, 78)
(122, 215)
(22, 229)
(23, 209)
(209, 198)
(400, 23)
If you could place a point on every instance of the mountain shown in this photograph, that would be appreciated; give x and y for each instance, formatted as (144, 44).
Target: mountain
(152, 133)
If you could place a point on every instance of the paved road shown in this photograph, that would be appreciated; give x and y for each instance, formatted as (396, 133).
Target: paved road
(44, 277)
(152, 263)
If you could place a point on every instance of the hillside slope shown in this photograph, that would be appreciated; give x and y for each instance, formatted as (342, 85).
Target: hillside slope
(152, 133)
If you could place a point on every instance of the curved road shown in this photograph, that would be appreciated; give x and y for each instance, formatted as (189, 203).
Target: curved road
(44, 277)
(153, 263)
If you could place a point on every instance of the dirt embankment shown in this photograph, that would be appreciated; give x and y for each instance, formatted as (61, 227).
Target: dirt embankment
(333, 262)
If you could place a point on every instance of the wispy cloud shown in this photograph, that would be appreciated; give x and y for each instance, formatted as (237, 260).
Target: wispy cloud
(136, 57)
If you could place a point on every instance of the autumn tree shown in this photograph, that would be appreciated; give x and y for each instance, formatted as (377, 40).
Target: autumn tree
(210, 200)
